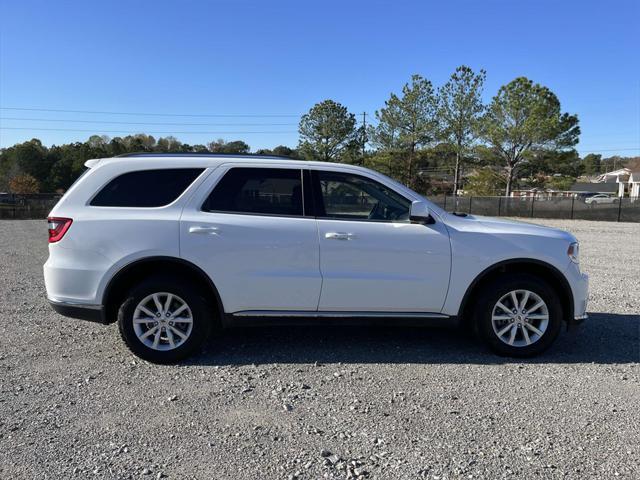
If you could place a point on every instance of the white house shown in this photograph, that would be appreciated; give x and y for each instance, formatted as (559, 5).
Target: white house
(614, 177)
(634, 183)
(628, 181)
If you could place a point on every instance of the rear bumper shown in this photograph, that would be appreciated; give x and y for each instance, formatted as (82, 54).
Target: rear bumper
(72, 276)
(91, 313)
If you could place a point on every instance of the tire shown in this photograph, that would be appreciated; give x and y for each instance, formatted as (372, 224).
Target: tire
(490, 322)
(193, 322)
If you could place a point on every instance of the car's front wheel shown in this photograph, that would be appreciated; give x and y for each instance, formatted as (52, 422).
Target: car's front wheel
(164, 321)
(519, 315)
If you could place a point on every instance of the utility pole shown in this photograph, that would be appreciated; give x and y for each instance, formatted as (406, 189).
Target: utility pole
(364, 136)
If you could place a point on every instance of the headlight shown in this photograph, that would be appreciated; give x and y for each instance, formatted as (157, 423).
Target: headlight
(574, 252)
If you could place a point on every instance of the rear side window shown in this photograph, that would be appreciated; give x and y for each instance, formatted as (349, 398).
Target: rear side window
(266, 191)
(146, 188)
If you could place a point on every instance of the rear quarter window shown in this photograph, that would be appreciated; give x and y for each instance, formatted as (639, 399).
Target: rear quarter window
(146, 188)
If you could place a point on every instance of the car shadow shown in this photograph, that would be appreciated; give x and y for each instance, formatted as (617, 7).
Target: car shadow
(604, 338)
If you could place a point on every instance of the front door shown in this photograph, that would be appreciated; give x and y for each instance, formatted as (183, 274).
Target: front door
(372, 258)
(247, 228)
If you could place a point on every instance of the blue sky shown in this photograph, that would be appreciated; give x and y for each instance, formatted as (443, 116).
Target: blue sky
(280, 57)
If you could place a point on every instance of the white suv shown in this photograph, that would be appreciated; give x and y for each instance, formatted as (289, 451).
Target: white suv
(171, 246)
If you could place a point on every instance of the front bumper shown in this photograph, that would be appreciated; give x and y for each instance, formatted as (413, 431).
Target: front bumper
(581, 297)
(580, 287)
(92, 313)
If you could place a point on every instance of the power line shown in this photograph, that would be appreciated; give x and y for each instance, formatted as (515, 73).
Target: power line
(176, 132)
(610, 149)
(625, 143)
(249, 115)
(154, 132)
(156, 114)
(364, 123)
(151, 123)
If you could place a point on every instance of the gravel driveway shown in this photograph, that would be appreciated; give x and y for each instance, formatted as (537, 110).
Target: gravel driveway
(322, 402)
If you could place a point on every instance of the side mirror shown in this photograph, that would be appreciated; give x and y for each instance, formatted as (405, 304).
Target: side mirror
(420, 212)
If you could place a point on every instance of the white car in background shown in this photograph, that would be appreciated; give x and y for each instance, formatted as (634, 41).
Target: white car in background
(601, 198)
(172, 246)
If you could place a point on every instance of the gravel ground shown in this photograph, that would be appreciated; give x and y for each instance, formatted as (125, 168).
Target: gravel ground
(321, 402)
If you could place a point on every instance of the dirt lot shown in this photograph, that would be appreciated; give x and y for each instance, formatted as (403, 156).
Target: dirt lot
(324, 402)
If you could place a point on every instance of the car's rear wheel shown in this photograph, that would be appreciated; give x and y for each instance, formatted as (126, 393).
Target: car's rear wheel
(518, 315)
(164, 321)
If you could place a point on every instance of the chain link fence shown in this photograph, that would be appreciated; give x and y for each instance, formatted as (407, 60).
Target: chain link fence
(615, 210)
(21, 207)
(36, 206)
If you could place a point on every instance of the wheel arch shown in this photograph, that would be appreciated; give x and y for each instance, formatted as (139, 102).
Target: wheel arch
(133, 272)
(519, 265)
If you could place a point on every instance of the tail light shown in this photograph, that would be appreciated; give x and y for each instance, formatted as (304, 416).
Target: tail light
(57, 228)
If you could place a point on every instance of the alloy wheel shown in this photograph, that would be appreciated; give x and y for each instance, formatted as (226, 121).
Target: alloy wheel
(520, 318)
(162, 321)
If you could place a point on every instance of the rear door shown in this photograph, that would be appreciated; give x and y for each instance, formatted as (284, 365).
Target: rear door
(248, 229)
(372, 258)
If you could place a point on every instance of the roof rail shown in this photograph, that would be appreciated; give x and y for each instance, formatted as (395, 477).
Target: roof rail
(203, 154)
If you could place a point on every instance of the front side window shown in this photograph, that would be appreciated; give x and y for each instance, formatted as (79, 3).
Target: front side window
(265, 191)
(353, 197)
(146, 188)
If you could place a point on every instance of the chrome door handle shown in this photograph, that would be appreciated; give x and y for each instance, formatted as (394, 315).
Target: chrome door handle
(339, 236)
(204, 230)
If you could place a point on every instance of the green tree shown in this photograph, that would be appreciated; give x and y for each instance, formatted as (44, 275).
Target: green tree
(353, 151)
(407, 123)
(280, 150)
(68, 163)
(117, 146)
(98, 141)
(284, 151)
(8, 167)
(233, 147)
(360, 143)
(326, 131)
(459, 111)
(140, 142)
(592, 163)
(31, 159)
(484, 182)
(388, 162)
(552, 162)
(198, 148)
(169, 144)
(525, 117)
(560, 182)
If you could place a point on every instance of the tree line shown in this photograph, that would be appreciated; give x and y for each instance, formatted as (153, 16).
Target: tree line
(436, 140)
(423, 128)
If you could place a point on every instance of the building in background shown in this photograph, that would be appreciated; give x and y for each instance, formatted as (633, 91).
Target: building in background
(633, 184)
(627, 181)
